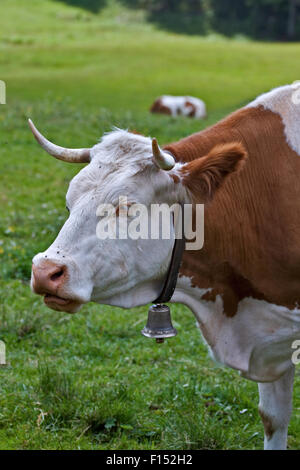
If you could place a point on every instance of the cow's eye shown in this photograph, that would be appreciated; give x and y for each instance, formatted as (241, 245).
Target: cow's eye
(123, 208)
(67, 209)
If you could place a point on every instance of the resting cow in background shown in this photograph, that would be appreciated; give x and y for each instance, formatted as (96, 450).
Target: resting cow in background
(244, 285)
(179, 106)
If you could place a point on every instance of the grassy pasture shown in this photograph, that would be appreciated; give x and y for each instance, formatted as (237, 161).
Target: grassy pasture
(91, 381)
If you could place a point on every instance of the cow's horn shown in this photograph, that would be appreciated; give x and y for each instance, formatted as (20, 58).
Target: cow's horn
(61, 153)
(163, 160)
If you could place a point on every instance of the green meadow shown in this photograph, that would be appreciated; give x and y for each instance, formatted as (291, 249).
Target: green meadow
(92, 381)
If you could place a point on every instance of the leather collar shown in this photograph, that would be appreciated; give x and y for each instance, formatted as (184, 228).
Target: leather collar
(173, 271)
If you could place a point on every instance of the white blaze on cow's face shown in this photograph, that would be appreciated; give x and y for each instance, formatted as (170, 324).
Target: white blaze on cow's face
(78, 266)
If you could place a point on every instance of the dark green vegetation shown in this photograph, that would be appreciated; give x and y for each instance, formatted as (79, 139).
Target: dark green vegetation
(260, 19)
(91, 380)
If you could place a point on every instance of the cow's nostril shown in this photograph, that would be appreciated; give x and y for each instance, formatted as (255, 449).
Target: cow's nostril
(57, 275)
(48, 277)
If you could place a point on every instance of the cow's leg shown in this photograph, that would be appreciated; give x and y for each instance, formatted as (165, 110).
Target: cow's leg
(275, 407)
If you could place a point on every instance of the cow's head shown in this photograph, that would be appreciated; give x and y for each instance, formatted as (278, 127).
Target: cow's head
(79, 266)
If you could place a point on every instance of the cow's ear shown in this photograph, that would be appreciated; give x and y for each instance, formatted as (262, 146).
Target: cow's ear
(205, 175)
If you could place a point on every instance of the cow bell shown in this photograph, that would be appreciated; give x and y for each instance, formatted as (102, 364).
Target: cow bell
(159, 323)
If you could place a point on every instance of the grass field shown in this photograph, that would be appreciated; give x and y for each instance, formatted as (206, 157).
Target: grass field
(91, 381)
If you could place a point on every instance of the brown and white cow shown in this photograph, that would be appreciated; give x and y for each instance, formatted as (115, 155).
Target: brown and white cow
(244, 285)
(179, 106)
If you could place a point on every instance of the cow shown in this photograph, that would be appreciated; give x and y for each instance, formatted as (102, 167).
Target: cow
(243, 286)
(179, 106)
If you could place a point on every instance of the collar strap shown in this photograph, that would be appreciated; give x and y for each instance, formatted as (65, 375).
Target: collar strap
(172, 275)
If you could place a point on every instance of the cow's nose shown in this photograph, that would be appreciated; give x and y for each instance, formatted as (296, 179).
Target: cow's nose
(47, 277)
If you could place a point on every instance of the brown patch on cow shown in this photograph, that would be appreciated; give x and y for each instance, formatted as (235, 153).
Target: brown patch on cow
(175, 178)
(252, 224)
(210, 296)
(268, 425)
(158, 107)
(192, 108)
(226, 282)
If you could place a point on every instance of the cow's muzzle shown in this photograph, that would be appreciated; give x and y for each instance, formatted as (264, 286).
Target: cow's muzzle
(49, 280)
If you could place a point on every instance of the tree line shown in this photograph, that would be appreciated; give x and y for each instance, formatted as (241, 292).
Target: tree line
(261, 19)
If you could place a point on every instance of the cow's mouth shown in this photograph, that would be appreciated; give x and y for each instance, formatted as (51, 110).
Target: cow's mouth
(54, 299)
(62, 305)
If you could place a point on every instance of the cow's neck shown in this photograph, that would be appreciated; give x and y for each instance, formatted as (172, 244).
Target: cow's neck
(246, 225)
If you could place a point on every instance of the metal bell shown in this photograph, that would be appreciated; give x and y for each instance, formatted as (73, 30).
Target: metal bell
(159, 323)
